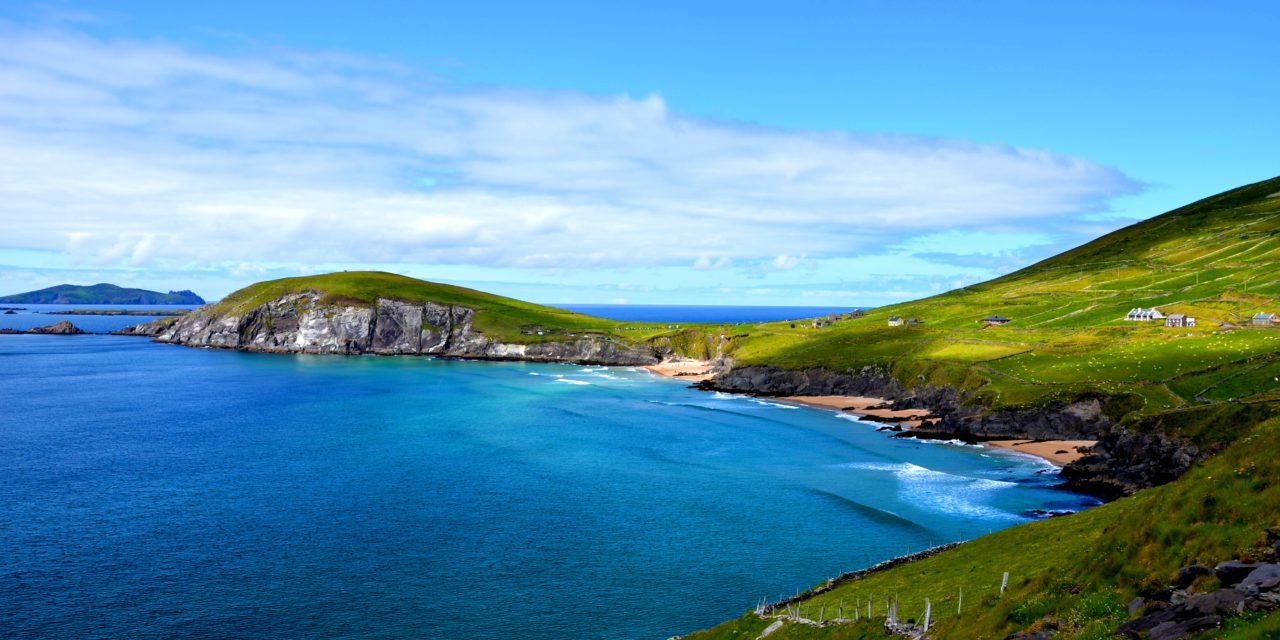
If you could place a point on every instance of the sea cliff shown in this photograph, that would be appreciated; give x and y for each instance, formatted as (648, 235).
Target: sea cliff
(303, 322)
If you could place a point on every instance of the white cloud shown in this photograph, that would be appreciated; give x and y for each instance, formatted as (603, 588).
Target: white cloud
(137, 153)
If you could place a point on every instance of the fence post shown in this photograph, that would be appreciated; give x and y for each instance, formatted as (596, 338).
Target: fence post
(1004, 582)
(959, 601)
(927, 611)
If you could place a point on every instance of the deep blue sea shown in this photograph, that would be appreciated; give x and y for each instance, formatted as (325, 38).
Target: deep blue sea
(157, 491)
(26, 316)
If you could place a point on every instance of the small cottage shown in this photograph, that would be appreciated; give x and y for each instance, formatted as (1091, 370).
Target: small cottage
(896, 321)
(1264, 319)
(1139, 315)
(915, 322)
(856, 313)
(996, 320)
(1179, 320)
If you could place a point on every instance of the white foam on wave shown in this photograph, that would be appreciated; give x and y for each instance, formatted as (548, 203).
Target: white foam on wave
(720, 395)
(773, 404)
(534, 373)
(942, 492)
(850, 417)
(952, 443)
(570, 381)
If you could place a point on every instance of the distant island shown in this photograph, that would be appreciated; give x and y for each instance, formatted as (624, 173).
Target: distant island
(100, 294)
(117, 312)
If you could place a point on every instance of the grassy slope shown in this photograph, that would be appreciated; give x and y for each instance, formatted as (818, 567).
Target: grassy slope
(1215, 259)
(498, 316)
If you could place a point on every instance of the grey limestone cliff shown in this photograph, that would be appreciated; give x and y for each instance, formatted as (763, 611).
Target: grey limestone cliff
(301, 322)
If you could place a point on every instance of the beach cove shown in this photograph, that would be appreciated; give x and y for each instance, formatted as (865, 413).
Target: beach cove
(417, 496)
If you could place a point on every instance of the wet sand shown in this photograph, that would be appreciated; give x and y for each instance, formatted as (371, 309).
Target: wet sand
(863, 406)
(1059, 452)
(683, 368)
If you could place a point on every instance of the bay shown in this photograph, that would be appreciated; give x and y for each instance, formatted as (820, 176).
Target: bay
(159, 491)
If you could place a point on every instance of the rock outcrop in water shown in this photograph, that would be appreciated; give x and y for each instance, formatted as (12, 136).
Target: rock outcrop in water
(1123, 461)
(300, 322)
(64, 328)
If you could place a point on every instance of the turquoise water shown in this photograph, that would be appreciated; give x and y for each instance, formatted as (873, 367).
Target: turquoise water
(158, 491)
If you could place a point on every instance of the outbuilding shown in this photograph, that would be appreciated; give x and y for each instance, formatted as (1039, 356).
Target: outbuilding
(1179, 320)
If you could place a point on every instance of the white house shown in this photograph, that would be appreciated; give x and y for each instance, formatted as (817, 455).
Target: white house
(1139, 314)
(1179, 320)
(1264, 319)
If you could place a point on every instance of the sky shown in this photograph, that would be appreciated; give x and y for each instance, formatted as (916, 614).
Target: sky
(800, 153)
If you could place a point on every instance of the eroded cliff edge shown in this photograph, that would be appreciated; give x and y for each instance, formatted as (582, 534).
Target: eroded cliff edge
(301, 322)
(1127, 457)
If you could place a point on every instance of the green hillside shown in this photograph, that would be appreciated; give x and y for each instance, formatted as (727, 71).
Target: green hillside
(1217, 384)
(1216, 260)
(100, 294)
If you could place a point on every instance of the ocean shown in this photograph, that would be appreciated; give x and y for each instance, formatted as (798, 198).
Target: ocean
(160, 491)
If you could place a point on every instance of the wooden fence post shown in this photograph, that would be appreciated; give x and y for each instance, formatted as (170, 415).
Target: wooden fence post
(927, 611)
(1004, 582)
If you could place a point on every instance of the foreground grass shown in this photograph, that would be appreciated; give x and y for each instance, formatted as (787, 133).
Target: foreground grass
(1078, 569)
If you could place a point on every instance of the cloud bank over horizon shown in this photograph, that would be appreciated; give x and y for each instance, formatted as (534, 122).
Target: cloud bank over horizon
(149, 157)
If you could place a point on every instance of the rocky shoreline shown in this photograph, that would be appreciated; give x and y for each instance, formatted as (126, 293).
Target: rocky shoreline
(1122, 462)
(300, 323)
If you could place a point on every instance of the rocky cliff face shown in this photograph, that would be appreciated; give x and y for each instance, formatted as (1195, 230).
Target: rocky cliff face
(300, 323)
(1122, 462)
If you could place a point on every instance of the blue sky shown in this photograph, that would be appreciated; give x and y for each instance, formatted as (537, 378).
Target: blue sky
(820, 153)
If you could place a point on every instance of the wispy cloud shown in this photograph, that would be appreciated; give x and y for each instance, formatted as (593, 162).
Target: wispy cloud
(148, 153)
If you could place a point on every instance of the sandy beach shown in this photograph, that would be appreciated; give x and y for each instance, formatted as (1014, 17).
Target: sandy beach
(683, 368)
(1059, 452)
(863, 406)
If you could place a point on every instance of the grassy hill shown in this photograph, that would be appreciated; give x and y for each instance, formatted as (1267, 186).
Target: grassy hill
(500, 317)
(1215, 260)
(100, 294)
(1217, 384)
